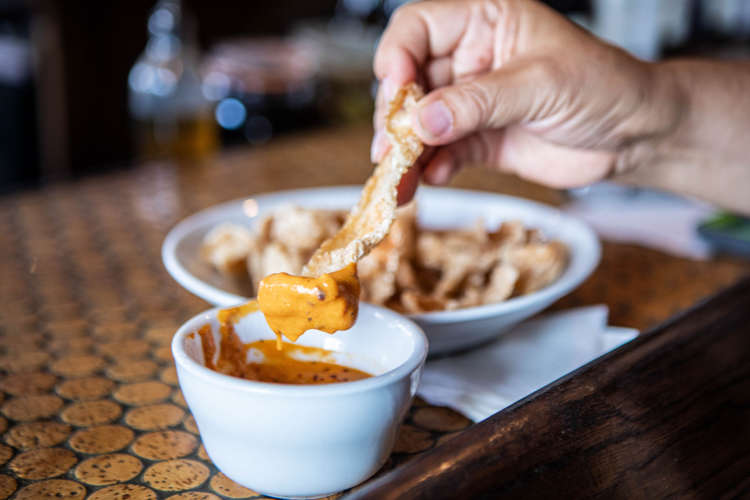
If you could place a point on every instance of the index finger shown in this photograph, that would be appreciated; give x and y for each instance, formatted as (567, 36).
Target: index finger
(416, 33)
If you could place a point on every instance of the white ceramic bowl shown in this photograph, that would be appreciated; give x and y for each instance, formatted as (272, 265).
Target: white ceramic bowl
(305, 440)
(437, 208)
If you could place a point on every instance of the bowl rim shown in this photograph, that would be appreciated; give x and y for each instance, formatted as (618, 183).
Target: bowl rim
(558, 288)
(415, 360)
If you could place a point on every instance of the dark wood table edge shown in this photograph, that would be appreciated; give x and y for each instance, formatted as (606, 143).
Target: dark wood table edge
(542, 445)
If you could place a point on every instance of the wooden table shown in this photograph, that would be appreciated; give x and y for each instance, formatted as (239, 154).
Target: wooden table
(89, 397)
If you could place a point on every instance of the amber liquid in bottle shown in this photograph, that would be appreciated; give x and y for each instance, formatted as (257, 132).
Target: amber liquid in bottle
(185, 139)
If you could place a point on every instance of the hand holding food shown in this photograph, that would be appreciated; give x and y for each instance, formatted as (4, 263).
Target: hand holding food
(517, 87)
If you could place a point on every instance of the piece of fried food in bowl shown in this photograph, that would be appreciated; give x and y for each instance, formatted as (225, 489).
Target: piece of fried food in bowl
(415, 269)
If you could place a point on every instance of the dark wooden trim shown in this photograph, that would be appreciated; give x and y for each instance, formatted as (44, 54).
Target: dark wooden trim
(667, 415)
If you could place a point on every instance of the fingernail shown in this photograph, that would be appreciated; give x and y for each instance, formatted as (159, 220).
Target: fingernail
(435, 118)
(379, 144)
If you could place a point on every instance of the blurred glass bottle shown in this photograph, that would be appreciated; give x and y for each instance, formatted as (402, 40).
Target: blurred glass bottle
(172, 118)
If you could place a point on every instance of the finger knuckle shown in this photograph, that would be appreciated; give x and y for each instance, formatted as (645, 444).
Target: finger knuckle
(403, 13)
(476, 101)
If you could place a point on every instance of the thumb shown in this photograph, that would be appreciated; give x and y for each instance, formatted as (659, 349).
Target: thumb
(519, 92)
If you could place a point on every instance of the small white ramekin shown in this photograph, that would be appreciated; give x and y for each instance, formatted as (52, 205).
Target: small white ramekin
(305, 440)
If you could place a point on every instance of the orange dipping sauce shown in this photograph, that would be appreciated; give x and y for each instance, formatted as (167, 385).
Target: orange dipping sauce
(294, 304)
(280, 366)
(291, 305)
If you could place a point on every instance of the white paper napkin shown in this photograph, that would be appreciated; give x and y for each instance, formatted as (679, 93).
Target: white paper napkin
(645, 217)
(537, 352)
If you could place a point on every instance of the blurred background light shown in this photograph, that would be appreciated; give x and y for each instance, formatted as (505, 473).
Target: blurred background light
(230, 113)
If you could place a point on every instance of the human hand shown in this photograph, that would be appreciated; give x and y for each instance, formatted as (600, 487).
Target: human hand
(517, 87)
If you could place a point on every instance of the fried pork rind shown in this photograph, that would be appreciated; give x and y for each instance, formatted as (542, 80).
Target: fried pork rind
(502, 281)
(226, 247)
(415, 270)
(388, 266)
(538, 264)
(369, 221)
(476, 267)
(287, 237)
(303, 229)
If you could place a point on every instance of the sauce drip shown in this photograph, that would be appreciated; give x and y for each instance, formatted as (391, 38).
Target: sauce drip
(294, 304)
(276, 366)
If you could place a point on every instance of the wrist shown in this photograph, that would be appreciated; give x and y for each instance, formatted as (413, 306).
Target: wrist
(656, 124)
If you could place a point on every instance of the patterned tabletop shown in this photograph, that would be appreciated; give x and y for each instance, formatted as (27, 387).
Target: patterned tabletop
(89, 397)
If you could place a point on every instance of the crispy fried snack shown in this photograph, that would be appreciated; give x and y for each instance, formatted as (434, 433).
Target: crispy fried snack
(226, 246)
(415, 270)
(286, 239)
(369, 221)
(387, 268)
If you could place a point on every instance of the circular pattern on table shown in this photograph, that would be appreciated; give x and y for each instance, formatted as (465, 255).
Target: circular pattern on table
(161, 335)
(52, 489)
(37, 434)
(178, 398)
(7, 486)
(23, 384)
(115, 331)
(130, 348)
(176, 475)
(132, 370)
(86, 413)
(194, 495)
(141, 393)
(101, 439)
(412, 440)
(67, 328)
(61, 311)
(202, 453)
(13, 345)
(75, 345)
(58, 311)
(42, 463)
(169, 375)
(24, 361)
(15, 319)
(102, 316)
(5, 453)
(190, 425)
(25, 408)
(154, 417)
(18, 306)
(85, 388)
(440, 419)
(109, 469)
(163, 353)
(78, 365)
(222, 485)
(124, 492)
(156, 314)
(164, 445)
